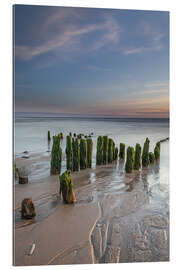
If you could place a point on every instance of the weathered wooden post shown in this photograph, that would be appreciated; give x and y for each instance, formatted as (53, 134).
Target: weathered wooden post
(110, 151)
(159, 145)
(129, 166)
(137, 162)
(152, 158)
(67, 188)
(113, 150)
(157, 151)
(116, 153)
(105, 149)
(99, 153)
(89, 152)
(49, 136)
(122, 151)
(76, 154)
(145, 154)
(56, 156)
(69, 153)
(83, 154)
(60, 136)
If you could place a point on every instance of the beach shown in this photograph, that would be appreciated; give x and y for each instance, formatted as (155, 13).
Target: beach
(118, 217)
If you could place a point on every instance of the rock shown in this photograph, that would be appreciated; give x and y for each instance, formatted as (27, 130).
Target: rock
(23, 179)
(28, 210)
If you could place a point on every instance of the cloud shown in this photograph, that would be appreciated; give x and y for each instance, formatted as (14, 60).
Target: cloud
(153, 37)
(111, 34)
(133, 51)
(157, 84)
(63, 28)
(95, 68)
(28, 52)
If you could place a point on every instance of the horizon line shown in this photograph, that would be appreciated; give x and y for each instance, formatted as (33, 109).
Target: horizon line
(69, 115)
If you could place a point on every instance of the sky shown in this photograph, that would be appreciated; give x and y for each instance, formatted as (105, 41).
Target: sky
(91, 62)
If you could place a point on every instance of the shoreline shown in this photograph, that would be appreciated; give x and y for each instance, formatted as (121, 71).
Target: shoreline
(113, 211)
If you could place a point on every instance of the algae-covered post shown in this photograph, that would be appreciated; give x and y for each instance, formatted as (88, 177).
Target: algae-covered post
(69, 153)
(105, 149)
(89, 152)
(67, 188)
(122, 151)
(99, 153)
(49, 136)
(137, 162)
(83, 154)
(110, 151)
(116, 153)
(157, 151)
(76, 154)
(113, 150)
(129, 166)
(60, 136)
(79, 136)
(145, 154)
(56, 156)
(158, 144)
(152, 158)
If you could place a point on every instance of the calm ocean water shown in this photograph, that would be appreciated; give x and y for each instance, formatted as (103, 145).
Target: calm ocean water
(31, 133)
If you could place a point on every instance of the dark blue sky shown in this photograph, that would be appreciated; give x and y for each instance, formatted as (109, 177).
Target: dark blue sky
(91, 61)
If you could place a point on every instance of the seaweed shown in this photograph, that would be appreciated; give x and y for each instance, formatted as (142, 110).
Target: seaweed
(76, 154)
(99, 152)
(122, 151)
(129, 166)
(67, 188)
(89, 152)
(105, 149)
(137, 162)
(83, 154)
(69, 153)
(145, 154)
(56, 156)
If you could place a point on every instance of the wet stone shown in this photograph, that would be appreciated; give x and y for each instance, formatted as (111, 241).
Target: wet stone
(28, 209)
(23, 179)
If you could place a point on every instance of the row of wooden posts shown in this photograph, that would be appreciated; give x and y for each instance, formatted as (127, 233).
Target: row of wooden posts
(79, 156)
(79, 153)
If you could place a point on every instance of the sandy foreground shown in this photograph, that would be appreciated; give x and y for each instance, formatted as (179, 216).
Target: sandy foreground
(114, 220)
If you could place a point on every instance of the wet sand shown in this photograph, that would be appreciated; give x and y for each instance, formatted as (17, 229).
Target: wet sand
(118, 217)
